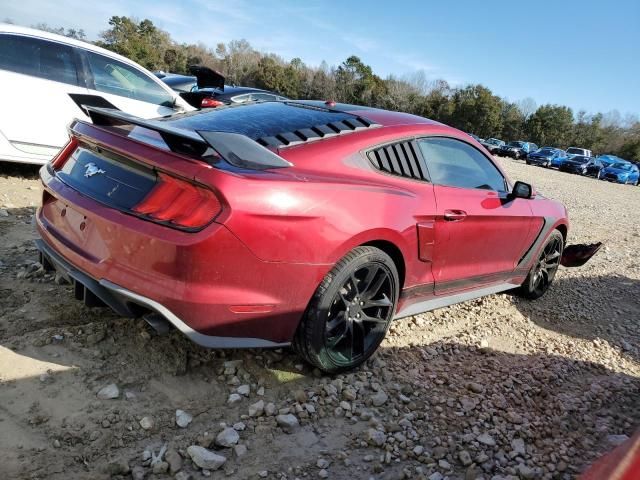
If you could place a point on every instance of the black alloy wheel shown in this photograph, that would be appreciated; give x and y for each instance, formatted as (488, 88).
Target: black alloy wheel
(350, 312)
(545, 268)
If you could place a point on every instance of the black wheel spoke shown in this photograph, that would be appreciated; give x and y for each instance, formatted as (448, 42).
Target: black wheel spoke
(381, 302)
(359, 313)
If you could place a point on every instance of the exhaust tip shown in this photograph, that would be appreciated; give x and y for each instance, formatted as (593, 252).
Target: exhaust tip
(159, 324)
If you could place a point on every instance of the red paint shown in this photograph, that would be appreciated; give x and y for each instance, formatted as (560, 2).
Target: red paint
(280, 231)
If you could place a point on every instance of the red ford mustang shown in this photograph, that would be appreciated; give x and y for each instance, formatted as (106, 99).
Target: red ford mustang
(283, 223)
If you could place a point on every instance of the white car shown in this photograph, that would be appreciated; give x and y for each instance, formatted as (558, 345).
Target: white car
(39, 71)
(575, 151)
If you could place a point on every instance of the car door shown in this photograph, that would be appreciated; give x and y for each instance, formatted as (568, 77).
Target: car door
(36, 76)
(480, 231)
(128, 88)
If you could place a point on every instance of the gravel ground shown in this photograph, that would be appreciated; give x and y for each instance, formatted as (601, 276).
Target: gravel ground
(496, 388)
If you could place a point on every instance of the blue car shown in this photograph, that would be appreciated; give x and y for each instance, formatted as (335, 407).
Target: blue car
(547, 157)
(608, 160)
(621, 172)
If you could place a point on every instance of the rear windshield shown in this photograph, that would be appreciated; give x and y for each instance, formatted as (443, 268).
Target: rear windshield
(576, 151)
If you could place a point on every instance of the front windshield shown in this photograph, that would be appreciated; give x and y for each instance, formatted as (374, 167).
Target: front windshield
(622, 166)
(515, 144)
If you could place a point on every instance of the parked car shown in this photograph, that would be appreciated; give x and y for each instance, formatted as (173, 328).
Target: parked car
(476, 138)
(575, 151)
(215, 227)
(517, 150)
(493, 144)
(621, 172)
(188, 89)
(583, 166)
(608, 160)
(547, 157)
(46, 77)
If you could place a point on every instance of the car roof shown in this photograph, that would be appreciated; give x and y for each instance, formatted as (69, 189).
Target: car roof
(286, 123)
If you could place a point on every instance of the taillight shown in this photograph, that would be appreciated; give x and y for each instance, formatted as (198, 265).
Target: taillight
(207, 102)
(179, 203)
(63, 155)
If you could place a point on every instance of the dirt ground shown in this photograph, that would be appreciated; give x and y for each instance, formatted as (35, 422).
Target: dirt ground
(495, 388)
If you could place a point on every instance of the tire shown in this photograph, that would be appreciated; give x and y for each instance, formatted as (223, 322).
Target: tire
(539, 278)
(329, 336)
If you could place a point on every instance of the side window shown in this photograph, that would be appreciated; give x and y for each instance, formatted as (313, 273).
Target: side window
(456, 164)
(241, 98)
(263, 96)
(117, 78)
(38, 58)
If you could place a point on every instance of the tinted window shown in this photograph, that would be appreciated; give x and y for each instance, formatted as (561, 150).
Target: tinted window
(456, 164)
(112, 76)
(38, 58)
(262, 96)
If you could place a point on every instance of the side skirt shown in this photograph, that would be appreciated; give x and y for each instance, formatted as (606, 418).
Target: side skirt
(446, 300)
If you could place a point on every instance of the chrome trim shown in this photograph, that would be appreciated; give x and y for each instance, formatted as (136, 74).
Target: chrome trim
(197, 337)
(447, 300)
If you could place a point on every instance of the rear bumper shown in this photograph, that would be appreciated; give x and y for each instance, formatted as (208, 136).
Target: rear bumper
(208, 284)
(127, 303)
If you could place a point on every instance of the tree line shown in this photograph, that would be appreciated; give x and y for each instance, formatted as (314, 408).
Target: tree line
(472, 108)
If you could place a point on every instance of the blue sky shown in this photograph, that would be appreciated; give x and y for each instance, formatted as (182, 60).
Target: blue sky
(583, 54)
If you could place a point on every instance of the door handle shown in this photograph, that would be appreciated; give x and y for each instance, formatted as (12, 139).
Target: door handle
(455, 215)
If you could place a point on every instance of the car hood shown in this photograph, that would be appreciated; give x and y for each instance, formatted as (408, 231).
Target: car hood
(617, 171)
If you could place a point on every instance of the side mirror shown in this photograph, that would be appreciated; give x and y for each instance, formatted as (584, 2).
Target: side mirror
(521, 190)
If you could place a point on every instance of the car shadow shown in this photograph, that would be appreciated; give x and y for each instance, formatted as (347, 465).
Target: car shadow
(22, 170)
(593, 308)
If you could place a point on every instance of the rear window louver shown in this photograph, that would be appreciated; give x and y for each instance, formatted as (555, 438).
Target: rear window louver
(399, 159)
(318, 132)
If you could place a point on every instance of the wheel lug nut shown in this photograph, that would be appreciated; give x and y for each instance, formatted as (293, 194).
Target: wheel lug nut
(361, 303)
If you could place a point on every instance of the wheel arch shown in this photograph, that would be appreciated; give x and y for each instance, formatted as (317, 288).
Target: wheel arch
(395, 253)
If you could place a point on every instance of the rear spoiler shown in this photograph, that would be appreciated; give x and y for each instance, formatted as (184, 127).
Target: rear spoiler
(237, 149)
(206, 77)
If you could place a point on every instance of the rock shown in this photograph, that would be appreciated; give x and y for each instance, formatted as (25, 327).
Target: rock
(525, 472)
(475, 387)
(239, 450)
(444, 464)
(256, 409)
(227, 438)
(234, 398)
(465, 458)
(138, 473)
(270, 409)
(435, 476)
(486, 439)
(288, 422)
(147, 423)
(204, 458)
(323, 473)
(379, 399)
(109, 392)
(376, 437)
(160, 468)
(3, 213)
(418, 450)
(263, 473)
(117, 467)
(244, 390)
(183, 419)
(518, 446)
(173, 458)
(182, 475)
(300, 396)
(239, 426)
(322, 463)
